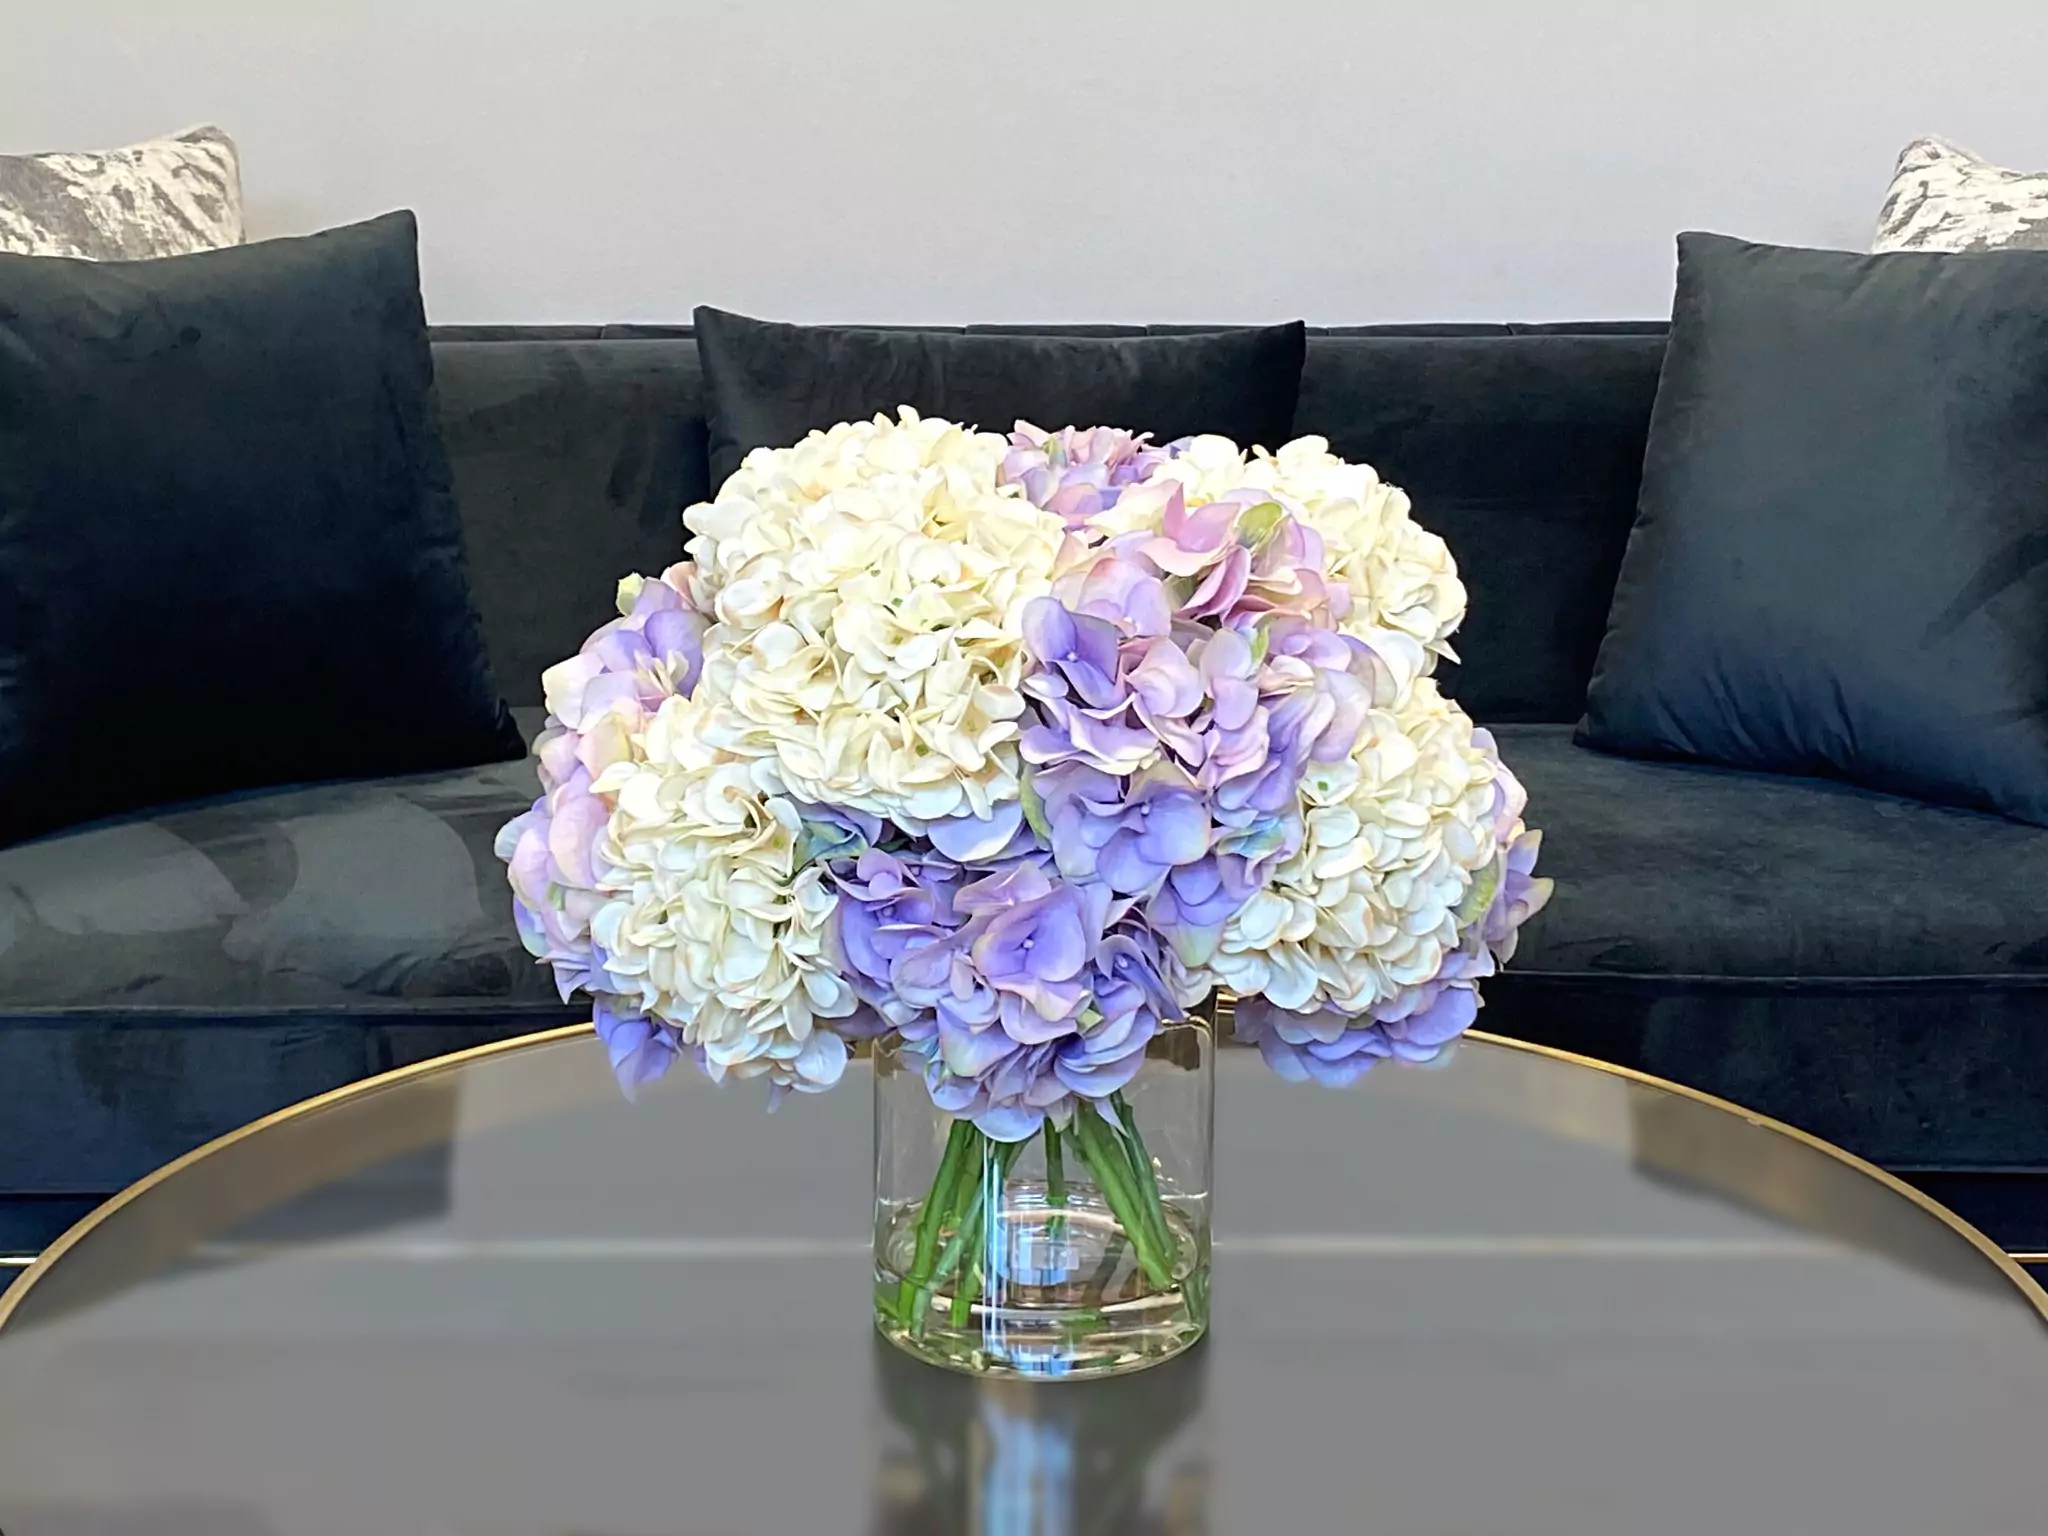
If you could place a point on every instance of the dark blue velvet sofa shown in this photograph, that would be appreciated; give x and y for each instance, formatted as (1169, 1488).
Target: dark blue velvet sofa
(1872, 970)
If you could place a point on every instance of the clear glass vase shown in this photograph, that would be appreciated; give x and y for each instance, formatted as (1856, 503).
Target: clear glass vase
(1082, 1251)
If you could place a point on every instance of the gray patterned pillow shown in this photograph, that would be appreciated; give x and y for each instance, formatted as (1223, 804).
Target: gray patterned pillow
(1944, 198)
(169, 197)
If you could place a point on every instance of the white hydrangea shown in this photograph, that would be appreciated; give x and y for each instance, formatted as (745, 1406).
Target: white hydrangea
(707, 922)
(1401, 576)
(868, 586)
(1393, 839)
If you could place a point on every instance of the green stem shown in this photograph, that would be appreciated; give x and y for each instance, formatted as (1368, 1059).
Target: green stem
(979, 1194)
(937, 1206)
(1146, 1178)
(1055, 1183)
(990, 1192)
(1104, 1154)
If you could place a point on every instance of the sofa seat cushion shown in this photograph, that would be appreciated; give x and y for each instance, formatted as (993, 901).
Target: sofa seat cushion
(1868, 968)
(166, 980)
(371, 894)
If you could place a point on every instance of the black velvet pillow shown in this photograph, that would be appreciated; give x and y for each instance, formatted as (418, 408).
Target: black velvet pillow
(1840, 562)
(767, 385)
(229, 555)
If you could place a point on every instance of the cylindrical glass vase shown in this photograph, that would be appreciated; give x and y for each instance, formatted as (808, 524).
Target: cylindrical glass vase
(1082, 1251)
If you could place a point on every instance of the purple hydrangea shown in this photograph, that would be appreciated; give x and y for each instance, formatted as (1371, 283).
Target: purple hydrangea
(1185, 681)
(1079, 472)
(1024, 992)
(597, 701)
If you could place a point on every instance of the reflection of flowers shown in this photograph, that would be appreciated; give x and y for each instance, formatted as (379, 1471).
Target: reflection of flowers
(1129, 1455)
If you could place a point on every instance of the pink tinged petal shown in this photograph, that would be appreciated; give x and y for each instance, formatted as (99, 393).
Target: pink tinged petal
(530, 865)
(1074, 504)
(1179, 738)
(1165, 682)
(1117, 589)
(563, 686)
(662, 595)
(1112, 748)
(572, 836)
(1050, 1014)
(1176, 561)
(1207, 527)
(613, 690)
(1236, 754)
(557, 751)
(1221, 588)
(1226, 653)
(1236, 700)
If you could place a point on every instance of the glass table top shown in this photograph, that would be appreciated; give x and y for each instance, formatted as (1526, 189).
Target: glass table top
(1517, 1293)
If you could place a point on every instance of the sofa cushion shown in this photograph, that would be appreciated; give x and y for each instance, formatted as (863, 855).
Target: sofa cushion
(1522, 449)
(573, 458)
(1837, 568)
(166, 197)
(165, 980)
(769, 384)
(1870, 969)
(577, 448)
(376, 893)
(229, 555)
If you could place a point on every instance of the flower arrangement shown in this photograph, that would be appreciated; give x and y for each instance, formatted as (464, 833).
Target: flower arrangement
(1018, 748)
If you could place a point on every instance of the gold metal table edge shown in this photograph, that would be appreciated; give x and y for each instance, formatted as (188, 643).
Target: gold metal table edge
(362, 1087)
(2006, 1264)
(2026, 1284)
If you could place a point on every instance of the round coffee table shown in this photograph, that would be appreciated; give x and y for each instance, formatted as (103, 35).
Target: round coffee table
(1520, 1293)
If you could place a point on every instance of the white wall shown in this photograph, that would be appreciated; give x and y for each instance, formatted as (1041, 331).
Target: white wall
(947, 160)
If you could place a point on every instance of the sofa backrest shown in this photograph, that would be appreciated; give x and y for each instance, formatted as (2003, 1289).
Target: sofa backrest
(575, 450)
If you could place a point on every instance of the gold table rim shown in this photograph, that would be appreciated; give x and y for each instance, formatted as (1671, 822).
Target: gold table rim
(10, 1301)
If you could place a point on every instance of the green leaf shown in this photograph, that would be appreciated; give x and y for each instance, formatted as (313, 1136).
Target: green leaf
(1260, 641)
(823, 840)
(1479, 895)
(1257, 525)
(1034, 807)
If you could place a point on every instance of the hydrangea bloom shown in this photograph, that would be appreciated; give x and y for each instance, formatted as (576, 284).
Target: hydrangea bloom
(714, 927)
(1388, 931)
(1019, 747)
(599, 703)
(868, 585)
